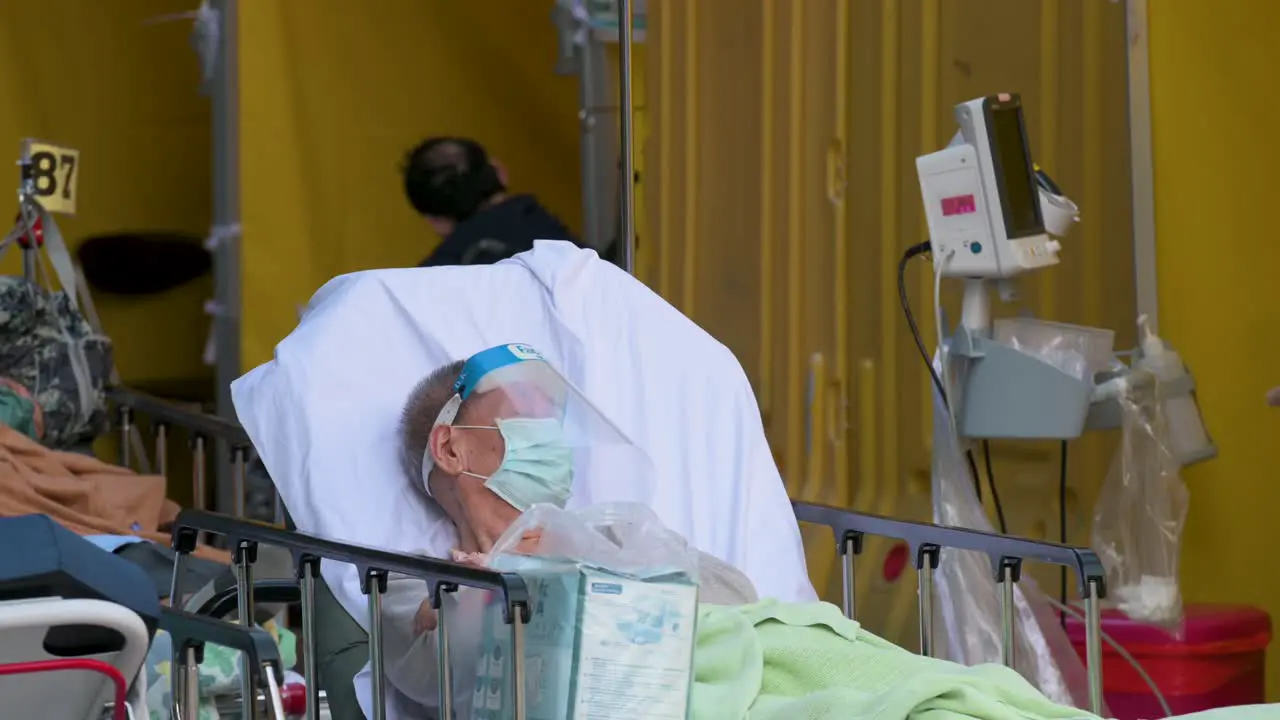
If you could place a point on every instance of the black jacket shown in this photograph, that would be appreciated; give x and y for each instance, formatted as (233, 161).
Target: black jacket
(499, 232)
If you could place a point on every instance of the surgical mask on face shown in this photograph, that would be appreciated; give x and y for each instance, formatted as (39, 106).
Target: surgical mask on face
(537, 466)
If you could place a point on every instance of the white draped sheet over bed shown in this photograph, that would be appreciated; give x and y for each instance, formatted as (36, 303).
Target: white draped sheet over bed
(323, 413)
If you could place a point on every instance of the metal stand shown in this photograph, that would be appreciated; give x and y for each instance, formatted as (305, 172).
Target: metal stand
(224, 241)
(596, 112)
(26, 196)
(608, 158)
(1141, 163)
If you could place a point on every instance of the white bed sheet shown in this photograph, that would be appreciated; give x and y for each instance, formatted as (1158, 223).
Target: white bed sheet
(323, 413)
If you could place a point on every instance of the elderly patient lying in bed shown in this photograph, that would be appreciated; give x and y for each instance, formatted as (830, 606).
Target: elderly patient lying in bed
(499, 457)
(489, 443)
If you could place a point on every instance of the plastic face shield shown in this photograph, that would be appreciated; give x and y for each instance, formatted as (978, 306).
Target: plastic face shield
(514, 382)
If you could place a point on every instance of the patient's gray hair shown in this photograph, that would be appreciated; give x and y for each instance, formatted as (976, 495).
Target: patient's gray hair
(419, 416)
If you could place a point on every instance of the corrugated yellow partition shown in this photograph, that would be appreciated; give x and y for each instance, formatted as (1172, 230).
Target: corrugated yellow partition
(783, 191)
(1214, 101)
(333, 93)
(96, 77)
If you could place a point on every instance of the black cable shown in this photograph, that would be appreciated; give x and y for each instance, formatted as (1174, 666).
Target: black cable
(1062, 525)
(914, 251)
(995, 494)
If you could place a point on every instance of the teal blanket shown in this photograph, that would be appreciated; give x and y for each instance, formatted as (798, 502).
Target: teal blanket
(775, 661)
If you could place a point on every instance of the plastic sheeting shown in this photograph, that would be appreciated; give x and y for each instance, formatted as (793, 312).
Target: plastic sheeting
(968, 613)
(1138, 520)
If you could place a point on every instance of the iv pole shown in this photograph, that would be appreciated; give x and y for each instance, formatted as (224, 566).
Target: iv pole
(627, 237)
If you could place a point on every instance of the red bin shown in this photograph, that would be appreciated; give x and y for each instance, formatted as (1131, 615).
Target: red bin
(1217, 660)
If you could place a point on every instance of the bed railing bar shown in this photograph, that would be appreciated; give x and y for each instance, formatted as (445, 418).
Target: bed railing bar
(246, 554)
(999, 548)
(1006, 554)
(201, 430)
(189, 630)
(189, 633)
(374, 567)
(199, 493)
(159, 410)
(850, 548)
(308, 572)
(445, 672)
(926, 562)
(375, 587)
(1008, 614)
(162, 447)
(238, 480)
(368, 561)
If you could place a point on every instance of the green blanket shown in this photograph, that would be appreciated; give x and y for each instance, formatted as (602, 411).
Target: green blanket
(774, 661)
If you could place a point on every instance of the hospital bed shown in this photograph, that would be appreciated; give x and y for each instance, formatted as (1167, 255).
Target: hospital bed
(244, 537)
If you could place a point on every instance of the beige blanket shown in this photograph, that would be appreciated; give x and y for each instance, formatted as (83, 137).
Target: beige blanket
(84, 494)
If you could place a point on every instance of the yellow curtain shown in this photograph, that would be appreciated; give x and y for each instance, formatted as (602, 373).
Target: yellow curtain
(1214, 104)
(781, 192)
(333, 93)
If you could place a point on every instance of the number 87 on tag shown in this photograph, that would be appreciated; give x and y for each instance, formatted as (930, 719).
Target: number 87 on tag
(54, 172)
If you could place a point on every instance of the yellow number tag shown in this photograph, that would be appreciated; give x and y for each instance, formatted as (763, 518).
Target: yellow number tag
(56, 172)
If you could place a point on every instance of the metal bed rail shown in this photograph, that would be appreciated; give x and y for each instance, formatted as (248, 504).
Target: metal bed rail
(374, 567)
(189, 634)
(925, 540)
(1006, 553)
(201, 428)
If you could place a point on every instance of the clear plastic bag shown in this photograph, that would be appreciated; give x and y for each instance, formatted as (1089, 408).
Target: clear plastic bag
(967, 607)
(624, 537)
(623, 546)
(1076, 350)
(1141, 511)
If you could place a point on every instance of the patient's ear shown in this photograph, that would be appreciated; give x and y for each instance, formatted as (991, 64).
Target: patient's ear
(446, 454)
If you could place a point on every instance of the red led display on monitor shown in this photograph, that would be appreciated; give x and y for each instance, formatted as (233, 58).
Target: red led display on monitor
(959, 205)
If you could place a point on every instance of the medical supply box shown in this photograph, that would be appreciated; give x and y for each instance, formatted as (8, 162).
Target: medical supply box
(599, 645)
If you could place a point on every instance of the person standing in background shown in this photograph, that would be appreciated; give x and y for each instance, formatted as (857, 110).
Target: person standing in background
(462, 193)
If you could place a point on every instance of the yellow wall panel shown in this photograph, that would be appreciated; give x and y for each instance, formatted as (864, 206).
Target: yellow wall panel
(1214, 103)
(97, 77)
(804, 127)
(333, 93)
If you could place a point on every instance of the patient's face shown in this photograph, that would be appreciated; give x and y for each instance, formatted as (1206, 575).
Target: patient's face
(479, 514)
(479, 449)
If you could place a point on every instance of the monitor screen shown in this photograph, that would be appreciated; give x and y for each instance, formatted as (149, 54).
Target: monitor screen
(1018, 193)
